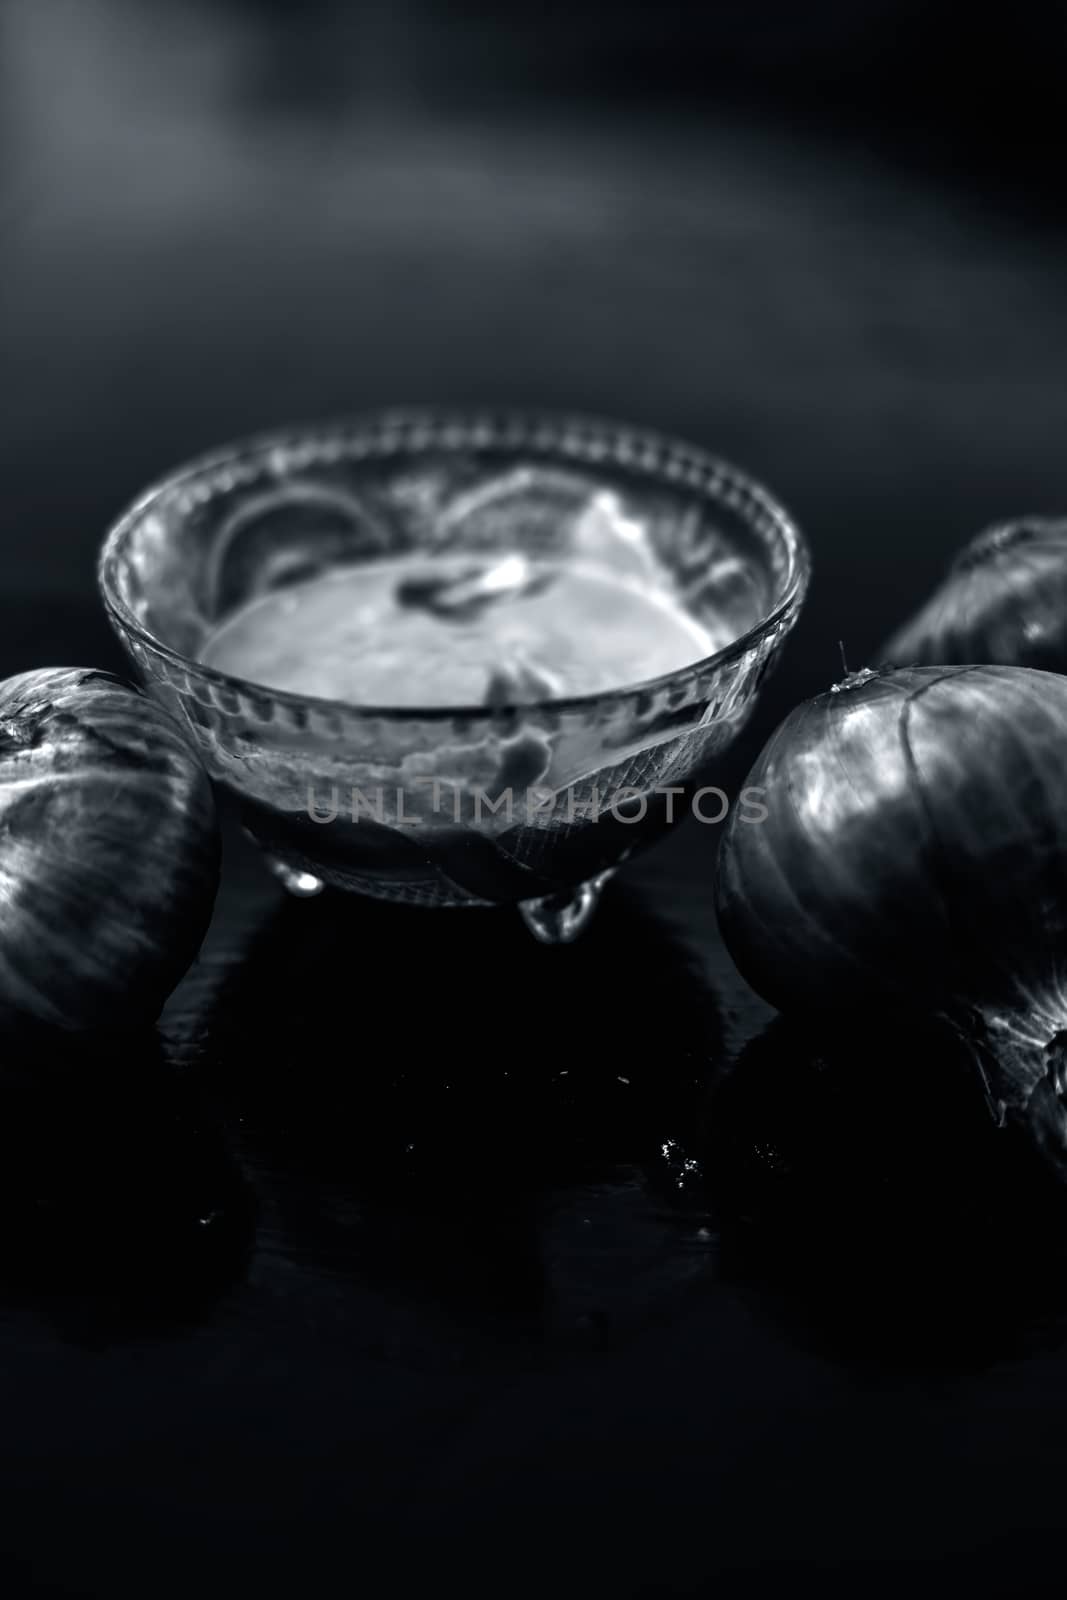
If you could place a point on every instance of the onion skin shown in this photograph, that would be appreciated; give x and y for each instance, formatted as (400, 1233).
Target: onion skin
(109, 852)
(914, 856)
(1004, 600)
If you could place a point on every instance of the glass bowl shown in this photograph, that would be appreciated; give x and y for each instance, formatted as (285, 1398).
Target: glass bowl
(530, 804)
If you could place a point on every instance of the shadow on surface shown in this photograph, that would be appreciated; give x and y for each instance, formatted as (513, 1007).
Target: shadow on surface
(122, 1214)
(870, 1204)
(437, 1108)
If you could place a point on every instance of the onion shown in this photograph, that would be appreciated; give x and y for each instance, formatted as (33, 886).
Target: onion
(1004, 600)
(109, 851)
(914, 855)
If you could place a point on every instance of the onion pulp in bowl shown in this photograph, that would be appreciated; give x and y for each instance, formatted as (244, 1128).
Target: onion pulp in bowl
(413, 631)
(434, 656)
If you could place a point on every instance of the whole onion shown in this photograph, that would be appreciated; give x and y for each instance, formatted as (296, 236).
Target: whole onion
(1004, 600)
(914, 859)
(109, 851)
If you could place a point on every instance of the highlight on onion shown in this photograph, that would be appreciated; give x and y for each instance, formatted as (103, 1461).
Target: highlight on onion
(109, 851)
(914, 859)
(1003, 600)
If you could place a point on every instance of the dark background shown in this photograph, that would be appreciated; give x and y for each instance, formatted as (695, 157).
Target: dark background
(288, 1302)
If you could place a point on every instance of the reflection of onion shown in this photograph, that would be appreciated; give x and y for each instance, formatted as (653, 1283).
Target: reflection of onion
(915, 855)
(108, 850)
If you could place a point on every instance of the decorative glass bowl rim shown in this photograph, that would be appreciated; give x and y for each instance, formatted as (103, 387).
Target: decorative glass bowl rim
(573, 438)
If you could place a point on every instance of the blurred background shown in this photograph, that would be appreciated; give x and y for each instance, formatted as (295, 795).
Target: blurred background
(825, 240)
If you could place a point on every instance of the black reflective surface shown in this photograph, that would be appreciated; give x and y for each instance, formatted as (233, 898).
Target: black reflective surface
(406, 1248)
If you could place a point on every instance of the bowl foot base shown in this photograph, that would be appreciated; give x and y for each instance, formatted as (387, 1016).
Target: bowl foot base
(301, 884)
(552, 919)
(560, 918)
